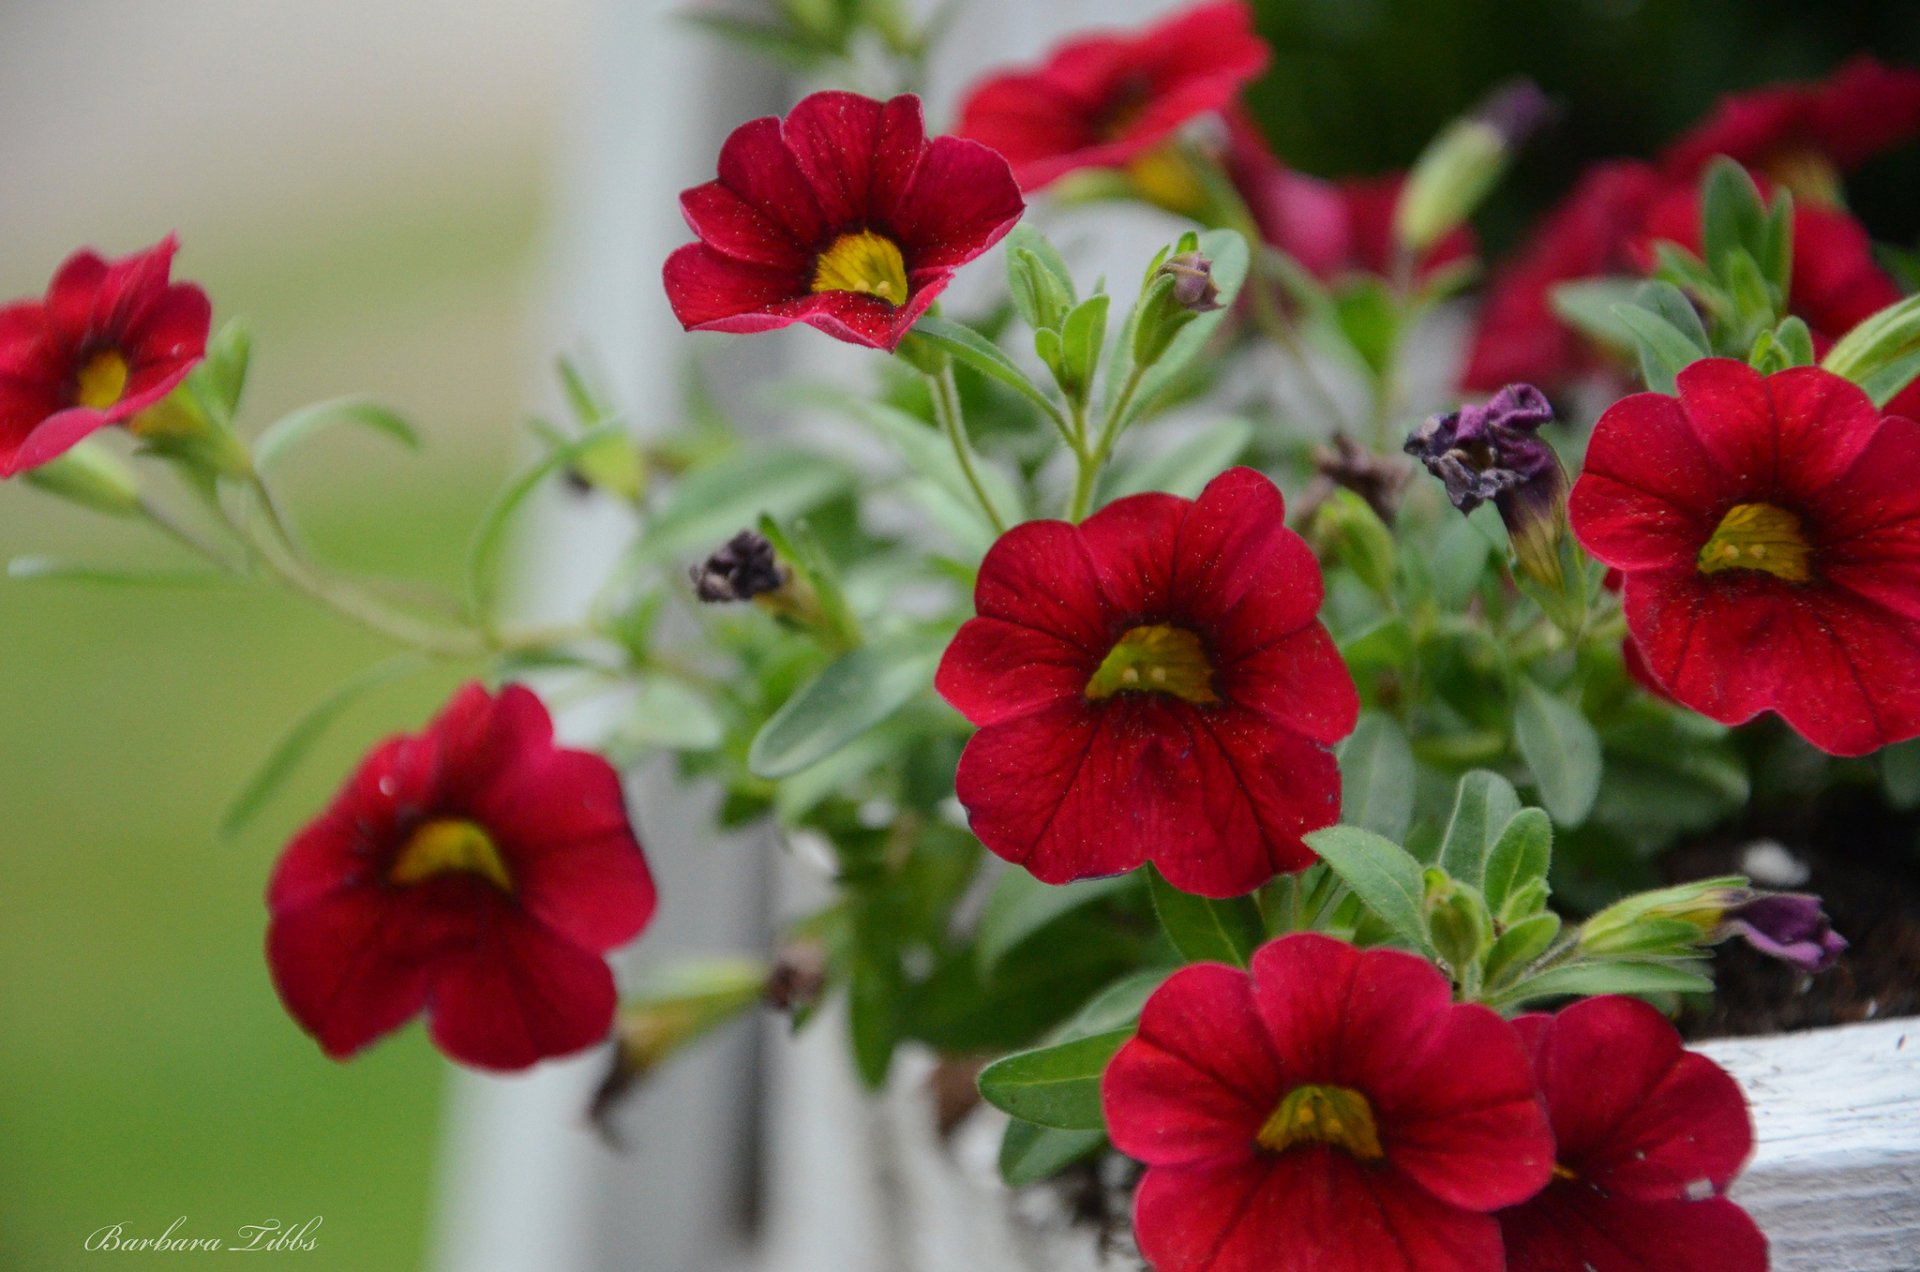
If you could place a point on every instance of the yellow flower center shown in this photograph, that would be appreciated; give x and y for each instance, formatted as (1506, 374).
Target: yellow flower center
(1762, 537)
(1809, 174)
(1336, 1116)
(447, 846)
(102, 379)
(863, 262)
(1155, 659)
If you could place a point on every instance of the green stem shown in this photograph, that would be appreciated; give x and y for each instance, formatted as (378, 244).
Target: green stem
(946, 406)
(164, 521)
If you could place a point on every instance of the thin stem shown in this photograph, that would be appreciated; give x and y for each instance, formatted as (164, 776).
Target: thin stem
(946, 405)
(168, 524)
(1092, 459)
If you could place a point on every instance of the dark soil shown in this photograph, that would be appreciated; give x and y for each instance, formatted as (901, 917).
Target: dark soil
(1864, 864)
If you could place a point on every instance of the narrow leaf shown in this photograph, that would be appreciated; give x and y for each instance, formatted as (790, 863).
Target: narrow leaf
(1203, 929)
(33, 569)
(853, 693)
(1585, 979)
(1030, 1152)
(483, 553)
(1483, 805)
(1561, 748)
(1054, 1086)
(1382, 874)
(974, 349)
(1377, 777)
(289, 431)
(1520, 856)
(1020, 906)
(714, 499)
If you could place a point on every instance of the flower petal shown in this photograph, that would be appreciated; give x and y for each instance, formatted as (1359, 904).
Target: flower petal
(732, 226)
(962, 201)
(1040, 575)
(1703, 637)
(1573, 1227)
(1300, 681)
(347, 969)
(518, 995)
(858, 155)
(1649, 495)
(996, 670)
(712, 292)
(756, 164)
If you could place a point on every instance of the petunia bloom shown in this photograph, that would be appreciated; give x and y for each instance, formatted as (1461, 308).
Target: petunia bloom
(1152, 684)
(475, 872)
(1109, 100)
(1804, 135)
(1333, 1110)
(1790, 926)
(843, 216)
(110, 339)
(1769, 542)
(1647, 1136)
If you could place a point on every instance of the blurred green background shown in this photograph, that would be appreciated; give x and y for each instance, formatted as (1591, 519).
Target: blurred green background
(366, 181)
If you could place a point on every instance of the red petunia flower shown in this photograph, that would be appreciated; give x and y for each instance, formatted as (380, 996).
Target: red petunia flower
(843, 216)
(1332, 1111)
(110, 339)
(475, 872)
(1803, 135)
(1152, 685)
(1647, 1134)
(1105, 101)
(1590, 233)
(1769, 535)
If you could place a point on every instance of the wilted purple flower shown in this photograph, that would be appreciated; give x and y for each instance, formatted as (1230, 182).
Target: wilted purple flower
(745, 568)
(1516, 109)
(1491, 453)
(1193, 286)
(1789, 926)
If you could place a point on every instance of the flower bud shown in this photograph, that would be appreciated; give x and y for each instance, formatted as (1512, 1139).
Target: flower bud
(1789, 926)
(1193, 287)
(1491, 452)
(1457, 920)
(90, 475)
(1461, 165)
(799, 979)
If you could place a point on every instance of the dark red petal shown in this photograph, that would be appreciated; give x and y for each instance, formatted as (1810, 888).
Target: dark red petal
(1632, 1111)
(1869, 520)
(1312, 1210)
(1040, 126)
(866, 320)
(561, 823)
(858, 155)
(732, 226)
(1199, 1079)
(1239, 566)
(1041, 575)
(1044, 791)
(1705, 637)
(1132, 542)
(1837, 281)
(1731, 413)
(1299, 680)
(995, 670)
(1824, 424)
(756, 164)
(518, 995)
(344, 845)
(712, 292)
(1848, 673)
(1649, 495)
(346, 968)
(51, 438)
(1569, 1228)
(1863, 109)
(73, 295)
(962, 201)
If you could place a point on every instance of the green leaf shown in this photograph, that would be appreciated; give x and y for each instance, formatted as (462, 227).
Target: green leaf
(873, 1014)
(1671, 304)
(490, 536)
(1369, 318)
(1664, 350)
(286, 755)
(1732, 217)
(1187, 467)
(1796, 341)
(34, 569)
(1381, 873)
(1482, 806)
(290, 430)
(1625, 977)
(1202, 929)
(1561, 748)
(1589, 306)
(926, 451)
(1521, 855)
(1056, 1086)
(1030, 1152)
(1115, 1007)
(1020, 905)
(776, 43)
(980, 353)
(670, 714)
(1083, 337)
(224, 373)
(1519, 945)
(1037, 277)
(854, 693)
(1377, 777)
(713, 500)
(1900, 774)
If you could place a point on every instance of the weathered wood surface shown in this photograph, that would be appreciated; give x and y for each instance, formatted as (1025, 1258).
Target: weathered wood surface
(1834, 1180)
